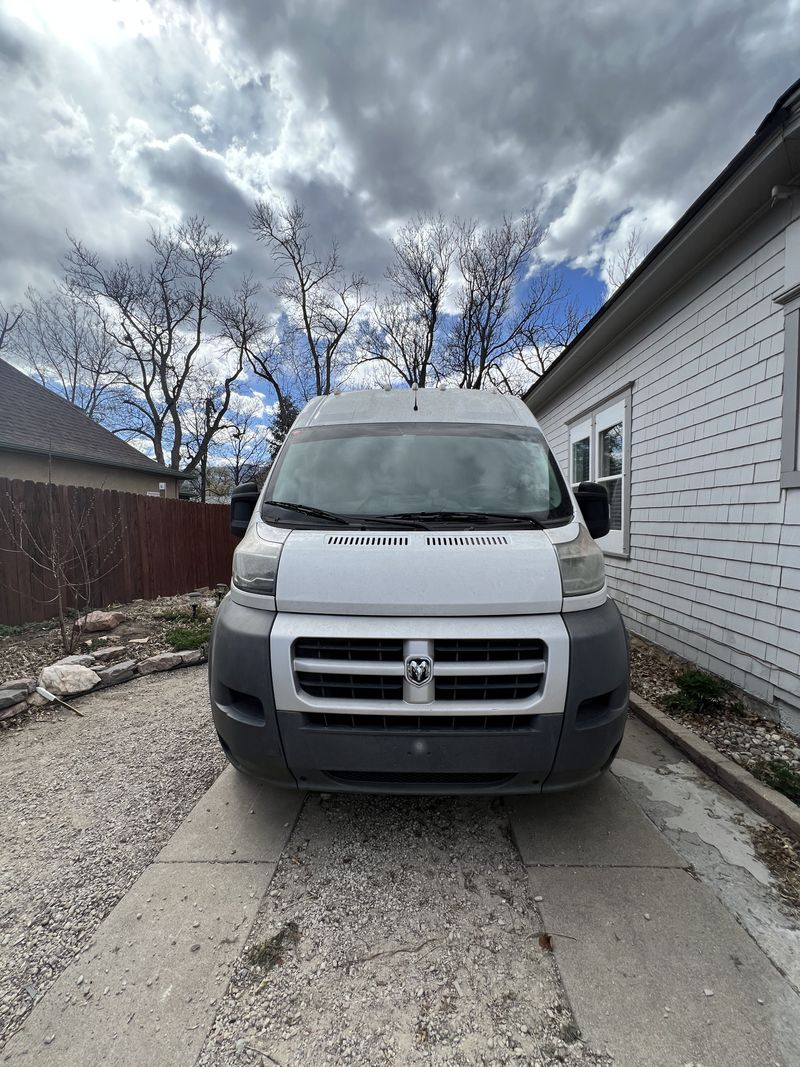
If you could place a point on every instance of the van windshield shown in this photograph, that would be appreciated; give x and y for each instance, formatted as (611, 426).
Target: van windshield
(373, 470)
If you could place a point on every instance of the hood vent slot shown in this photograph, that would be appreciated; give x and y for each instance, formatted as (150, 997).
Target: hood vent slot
(464, 540)
(372, 540)
(445, 540)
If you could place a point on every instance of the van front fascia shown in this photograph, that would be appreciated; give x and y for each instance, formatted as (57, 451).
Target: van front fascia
(539, 752)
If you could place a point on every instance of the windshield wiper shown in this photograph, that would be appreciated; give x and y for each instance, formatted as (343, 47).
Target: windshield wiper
(477, 517)
(403, 522)
(306, 509)
(358, 521)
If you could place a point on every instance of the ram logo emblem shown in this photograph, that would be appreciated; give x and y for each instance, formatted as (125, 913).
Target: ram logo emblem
(419, 669)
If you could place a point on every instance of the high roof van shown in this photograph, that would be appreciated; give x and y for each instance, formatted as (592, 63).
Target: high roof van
(418, 606)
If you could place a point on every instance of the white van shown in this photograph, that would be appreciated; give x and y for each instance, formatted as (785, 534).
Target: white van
(417, 606)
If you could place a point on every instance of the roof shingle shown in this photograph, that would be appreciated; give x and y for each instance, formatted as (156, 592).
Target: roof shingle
(35, 419)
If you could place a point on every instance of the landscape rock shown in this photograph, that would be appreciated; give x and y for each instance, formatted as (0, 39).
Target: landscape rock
(105, 655)
(28, 684)
(10, 711)
(13, 692)
(165, 661)
(84, 660)
(117, 672)
(68, 679)
(192, 656)
(98, 621)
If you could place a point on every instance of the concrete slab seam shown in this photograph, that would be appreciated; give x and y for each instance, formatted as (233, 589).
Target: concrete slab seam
(609, 866)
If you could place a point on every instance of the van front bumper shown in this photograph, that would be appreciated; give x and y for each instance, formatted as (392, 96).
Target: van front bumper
(294, 750)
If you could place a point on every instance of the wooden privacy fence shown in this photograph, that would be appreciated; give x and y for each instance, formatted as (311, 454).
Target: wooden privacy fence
(130, 545)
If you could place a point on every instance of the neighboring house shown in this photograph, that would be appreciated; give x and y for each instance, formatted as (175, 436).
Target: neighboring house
(43, 436)
(681, 396)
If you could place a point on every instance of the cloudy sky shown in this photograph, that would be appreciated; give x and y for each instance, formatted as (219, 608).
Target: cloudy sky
(602, 115)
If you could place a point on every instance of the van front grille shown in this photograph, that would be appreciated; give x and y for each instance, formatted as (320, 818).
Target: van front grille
(351, 686)
(488, 687)
(416, 724)
(470, 651)
(348, 648)
(499, 672)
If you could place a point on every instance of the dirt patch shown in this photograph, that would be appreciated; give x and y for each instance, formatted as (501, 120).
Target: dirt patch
(398, 930)
(760, 745)
(781, 854)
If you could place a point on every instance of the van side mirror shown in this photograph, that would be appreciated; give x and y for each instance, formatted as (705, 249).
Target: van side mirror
(593, 502)
(243, 503)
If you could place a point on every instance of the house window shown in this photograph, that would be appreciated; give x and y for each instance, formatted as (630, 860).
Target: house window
(790, 446)
(790, 301)
(598, 446)
(580, 460)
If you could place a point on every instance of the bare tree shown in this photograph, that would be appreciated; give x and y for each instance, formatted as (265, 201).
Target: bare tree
(625, 260)
(67, 345)
(503, 298)
(69, 553)
(199, 406)
(248, 447)
(9, 319)
(160, 317)
(545, 337)
(245, 329)
(321, 302)
(242, 453)
(405, 325)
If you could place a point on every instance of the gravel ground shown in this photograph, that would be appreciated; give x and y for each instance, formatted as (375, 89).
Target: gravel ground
(87, 804)
(740, 734)
(397, 931)
(781, 854)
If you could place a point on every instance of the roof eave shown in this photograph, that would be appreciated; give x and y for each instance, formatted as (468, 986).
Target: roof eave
(634, 291)
(143, 468)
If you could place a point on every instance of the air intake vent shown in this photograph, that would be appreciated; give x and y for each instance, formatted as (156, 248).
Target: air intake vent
(415, 724)
(351, 686)
(369, 540)
(418, 778)
(464, 540)
(349, 648)
(459, 650)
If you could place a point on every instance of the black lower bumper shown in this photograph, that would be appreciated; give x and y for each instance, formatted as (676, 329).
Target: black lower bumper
(289, 749)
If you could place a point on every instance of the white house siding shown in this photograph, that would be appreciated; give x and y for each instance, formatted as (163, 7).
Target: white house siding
(714, 567)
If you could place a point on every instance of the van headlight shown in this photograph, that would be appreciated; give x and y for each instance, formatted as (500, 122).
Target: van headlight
(255, 564)
(581, 563)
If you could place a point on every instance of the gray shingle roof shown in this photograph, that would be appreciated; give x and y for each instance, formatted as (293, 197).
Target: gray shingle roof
(35, 419)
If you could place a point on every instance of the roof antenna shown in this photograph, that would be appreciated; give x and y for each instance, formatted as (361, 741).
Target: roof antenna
(414, 388)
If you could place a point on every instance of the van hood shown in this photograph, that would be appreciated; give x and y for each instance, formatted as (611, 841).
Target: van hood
(418, 573)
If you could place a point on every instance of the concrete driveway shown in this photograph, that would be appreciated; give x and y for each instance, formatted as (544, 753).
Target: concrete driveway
(408, 934)
(669, 935)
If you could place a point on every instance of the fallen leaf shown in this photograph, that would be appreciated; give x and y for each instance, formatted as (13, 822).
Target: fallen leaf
(546, 941)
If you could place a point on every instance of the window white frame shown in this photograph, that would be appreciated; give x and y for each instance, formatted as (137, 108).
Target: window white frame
(590, 426)
(790, 300)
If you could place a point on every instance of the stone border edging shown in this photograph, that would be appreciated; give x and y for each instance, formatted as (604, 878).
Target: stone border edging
(775, 807)
(108, 674)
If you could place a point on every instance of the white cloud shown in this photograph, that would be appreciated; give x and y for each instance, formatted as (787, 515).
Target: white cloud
(203, 117)
(605, 116)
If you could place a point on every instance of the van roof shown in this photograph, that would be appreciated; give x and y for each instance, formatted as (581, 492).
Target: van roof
(434, 405)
